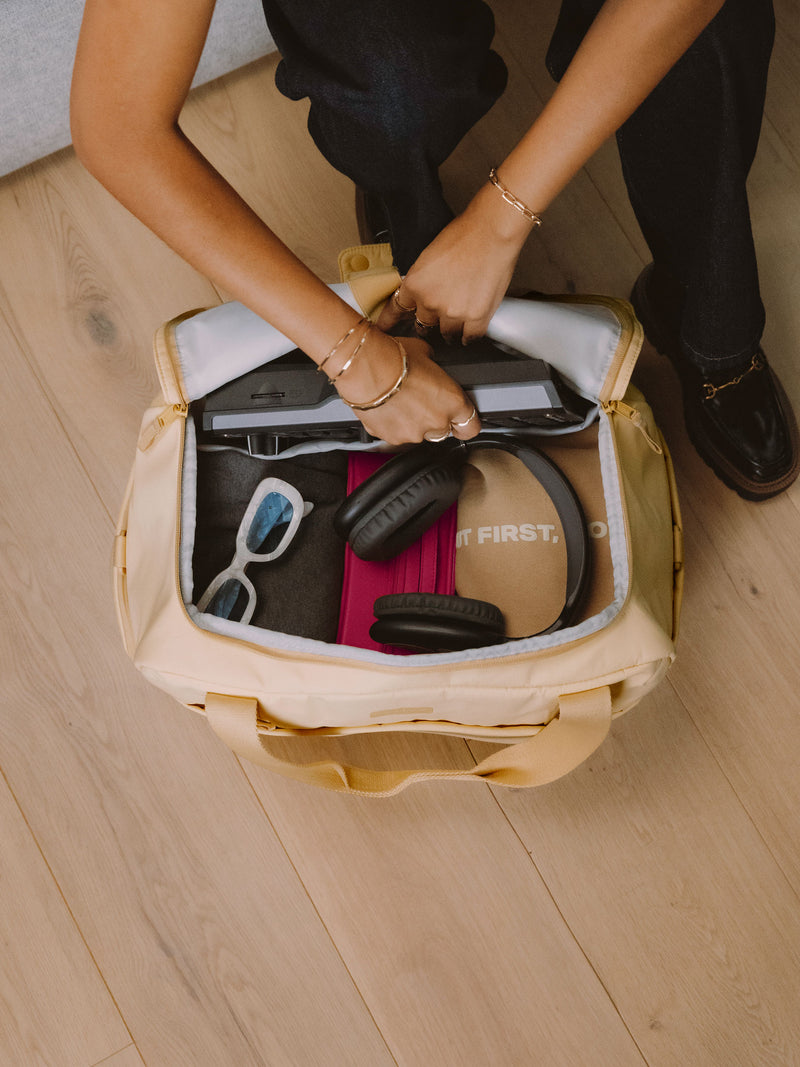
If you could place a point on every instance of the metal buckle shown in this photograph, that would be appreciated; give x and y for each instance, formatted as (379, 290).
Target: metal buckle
(710, 390)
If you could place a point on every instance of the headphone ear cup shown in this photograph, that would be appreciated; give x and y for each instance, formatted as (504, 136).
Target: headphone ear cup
(433, 622)
(394, 507)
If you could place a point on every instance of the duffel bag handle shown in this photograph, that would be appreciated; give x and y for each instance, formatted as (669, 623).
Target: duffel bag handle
(580, 727)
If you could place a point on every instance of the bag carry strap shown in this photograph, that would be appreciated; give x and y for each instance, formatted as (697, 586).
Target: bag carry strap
(580, 727)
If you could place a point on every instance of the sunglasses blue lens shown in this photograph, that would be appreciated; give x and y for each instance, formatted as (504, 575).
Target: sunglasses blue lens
(269, 524)
(230, 600)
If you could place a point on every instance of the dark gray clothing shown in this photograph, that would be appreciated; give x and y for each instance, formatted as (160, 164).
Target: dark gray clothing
(300, 591)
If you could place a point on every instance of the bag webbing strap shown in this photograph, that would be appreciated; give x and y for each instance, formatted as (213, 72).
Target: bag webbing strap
(579, 728)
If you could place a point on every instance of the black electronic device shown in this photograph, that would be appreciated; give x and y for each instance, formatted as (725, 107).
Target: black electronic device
(288, 400)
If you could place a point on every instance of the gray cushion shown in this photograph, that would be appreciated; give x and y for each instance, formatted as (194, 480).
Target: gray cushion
(37, 49)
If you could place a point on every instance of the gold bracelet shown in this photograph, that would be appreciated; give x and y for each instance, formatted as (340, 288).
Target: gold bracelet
(341, 341)
(370, 405)
(509, 198)
(349, 362)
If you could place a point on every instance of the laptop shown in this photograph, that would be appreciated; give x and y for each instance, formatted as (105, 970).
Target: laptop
(287, 401)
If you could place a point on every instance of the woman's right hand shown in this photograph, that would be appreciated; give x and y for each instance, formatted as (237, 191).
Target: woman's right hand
(428, 405)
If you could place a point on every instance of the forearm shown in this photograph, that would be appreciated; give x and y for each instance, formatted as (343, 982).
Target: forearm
(133, 68)
(163, 180)
(627, 51)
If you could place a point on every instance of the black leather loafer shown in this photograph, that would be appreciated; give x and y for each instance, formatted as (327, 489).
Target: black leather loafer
(743, 427)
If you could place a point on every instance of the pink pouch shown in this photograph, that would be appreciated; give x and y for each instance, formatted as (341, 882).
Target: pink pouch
(427, 566)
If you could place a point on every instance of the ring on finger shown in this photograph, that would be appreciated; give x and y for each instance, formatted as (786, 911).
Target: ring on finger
(423, 325)
(466, 422)
(396, 298)
(439, 437)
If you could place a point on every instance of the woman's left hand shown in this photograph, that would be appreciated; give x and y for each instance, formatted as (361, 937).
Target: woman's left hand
(460, 278)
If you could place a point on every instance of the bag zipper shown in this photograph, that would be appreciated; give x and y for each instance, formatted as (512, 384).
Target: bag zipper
(628, 348)
(167, 366)
(634, 416)
(151, 433)
(169, 376)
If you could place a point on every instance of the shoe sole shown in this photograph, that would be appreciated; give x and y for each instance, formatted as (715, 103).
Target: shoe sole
(726, 472)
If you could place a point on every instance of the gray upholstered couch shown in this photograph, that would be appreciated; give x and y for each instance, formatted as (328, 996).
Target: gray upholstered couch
(37, 47)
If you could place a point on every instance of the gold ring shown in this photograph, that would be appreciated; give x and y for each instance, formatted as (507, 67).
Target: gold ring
(396, 298)
(466, 422)
(423, 325)
(436, 440)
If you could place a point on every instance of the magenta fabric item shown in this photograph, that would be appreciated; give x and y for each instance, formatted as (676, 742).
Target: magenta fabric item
(427, 566)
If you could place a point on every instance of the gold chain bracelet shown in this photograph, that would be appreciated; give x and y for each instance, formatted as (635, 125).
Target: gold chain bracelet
(509, 198)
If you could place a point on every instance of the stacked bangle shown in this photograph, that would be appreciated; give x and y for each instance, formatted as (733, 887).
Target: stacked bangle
(370, 405)
(509, 198)
(348, 362)
(340, 342)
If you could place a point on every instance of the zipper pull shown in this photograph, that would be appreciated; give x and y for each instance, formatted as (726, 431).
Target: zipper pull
(634, 416)
(150, 434)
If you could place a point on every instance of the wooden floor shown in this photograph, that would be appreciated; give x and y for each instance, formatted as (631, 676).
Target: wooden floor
(161, 903)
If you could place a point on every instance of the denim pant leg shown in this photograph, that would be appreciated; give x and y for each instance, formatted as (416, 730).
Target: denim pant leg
(393, 87)
(686, 153)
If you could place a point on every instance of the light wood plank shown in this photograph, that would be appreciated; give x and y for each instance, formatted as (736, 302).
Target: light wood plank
(86, 286)
(784, 74)
(54, 1006)
(738, 657)
(126, 1057)
(195, 917)
(442, 919)
(672, 893)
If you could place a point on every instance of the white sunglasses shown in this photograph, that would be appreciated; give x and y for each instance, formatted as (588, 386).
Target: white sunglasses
(267, 529)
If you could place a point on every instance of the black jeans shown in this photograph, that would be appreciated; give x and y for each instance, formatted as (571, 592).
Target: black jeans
(393, 87)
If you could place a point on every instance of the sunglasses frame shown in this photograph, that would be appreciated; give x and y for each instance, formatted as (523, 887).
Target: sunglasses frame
(242, 556)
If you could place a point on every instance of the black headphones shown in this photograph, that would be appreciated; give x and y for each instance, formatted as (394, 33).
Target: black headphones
(394, 507)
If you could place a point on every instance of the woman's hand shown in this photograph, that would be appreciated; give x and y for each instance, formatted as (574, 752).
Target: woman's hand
(460, 278)
(428, 405)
